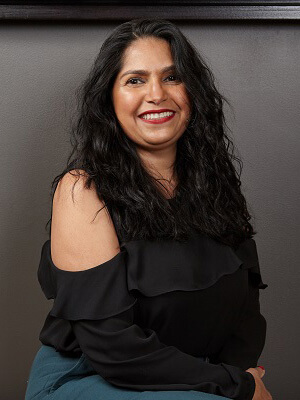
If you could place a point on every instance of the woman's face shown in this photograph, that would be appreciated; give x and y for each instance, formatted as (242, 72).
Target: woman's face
(147, 83)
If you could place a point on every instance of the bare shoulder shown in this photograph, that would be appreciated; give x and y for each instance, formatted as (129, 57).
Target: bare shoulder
(73, 183)
(80, 238)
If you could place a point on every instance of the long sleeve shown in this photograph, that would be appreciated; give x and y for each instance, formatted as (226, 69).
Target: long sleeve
(99, 307)
(246, 343)
(127, 356)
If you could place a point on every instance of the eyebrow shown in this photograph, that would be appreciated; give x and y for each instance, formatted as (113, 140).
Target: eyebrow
(144, 72)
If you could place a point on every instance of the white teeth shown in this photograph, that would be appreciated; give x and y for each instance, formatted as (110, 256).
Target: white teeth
(157, 116)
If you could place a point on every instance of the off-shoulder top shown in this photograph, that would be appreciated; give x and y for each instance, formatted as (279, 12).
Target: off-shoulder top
(162, 315)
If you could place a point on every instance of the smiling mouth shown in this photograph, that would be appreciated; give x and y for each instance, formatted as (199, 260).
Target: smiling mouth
(157, 118)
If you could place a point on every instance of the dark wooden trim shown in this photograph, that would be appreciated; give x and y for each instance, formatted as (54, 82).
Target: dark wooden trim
(153, 2)
(127, 12)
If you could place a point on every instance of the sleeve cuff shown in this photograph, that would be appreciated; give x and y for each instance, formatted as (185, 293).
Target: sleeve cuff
(250, 386)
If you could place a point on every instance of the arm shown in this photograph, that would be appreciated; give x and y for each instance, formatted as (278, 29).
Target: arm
(99, 307)
(245, 345)
(127, 356)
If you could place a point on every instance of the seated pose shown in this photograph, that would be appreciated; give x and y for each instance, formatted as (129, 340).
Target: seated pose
(150, 260)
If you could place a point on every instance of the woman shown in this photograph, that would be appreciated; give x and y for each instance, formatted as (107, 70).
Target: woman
(151, 262)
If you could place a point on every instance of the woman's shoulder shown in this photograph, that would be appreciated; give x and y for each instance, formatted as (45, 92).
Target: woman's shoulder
(82, 231)
(73, 199)
(74, 179)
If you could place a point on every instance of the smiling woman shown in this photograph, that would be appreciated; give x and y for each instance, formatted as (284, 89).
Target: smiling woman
(156, 297)
(145, 89)
(147, 80)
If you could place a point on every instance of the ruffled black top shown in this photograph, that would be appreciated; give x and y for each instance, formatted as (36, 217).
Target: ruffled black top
(162, 315)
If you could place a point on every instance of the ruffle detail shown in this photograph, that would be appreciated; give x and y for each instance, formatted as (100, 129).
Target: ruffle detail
(96, 293)
(157, 267)
(148, 267)
(247, 252)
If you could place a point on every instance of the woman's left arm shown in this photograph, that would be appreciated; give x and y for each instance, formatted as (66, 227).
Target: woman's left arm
(246, 343)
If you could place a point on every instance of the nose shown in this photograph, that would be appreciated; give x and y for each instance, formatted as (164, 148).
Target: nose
(156, 93)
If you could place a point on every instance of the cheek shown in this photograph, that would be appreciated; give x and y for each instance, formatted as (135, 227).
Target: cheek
(183, 100)
(126, 103)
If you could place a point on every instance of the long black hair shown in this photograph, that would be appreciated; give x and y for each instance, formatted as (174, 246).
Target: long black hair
(208, 195)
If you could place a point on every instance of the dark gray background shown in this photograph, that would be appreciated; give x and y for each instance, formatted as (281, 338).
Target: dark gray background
(256, 67)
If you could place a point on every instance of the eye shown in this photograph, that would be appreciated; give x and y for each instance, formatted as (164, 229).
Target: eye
(133, 80)
(175, 78)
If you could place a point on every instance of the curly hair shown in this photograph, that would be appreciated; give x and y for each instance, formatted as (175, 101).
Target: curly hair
(208, 196)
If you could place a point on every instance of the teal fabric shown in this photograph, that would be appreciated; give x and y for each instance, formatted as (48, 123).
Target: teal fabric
(54, 376)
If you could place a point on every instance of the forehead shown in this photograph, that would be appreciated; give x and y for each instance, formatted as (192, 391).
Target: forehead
(147, 53)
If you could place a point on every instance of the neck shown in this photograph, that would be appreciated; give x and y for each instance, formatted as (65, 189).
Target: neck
(160, 165)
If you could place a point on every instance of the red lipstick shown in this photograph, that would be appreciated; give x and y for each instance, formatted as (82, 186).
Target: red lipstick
(157, 120)
(156, 111)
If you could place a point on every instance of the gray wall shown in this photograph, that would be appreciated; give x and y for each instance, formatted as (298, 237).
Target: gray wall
(256, 69)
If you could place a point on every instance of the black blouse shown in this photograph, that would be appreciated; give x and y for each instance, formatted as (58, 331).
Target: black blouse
(146, 318)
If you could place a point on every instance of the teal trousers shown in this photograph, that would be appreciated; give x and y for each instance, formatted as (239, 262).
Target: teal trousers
(54, 376)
